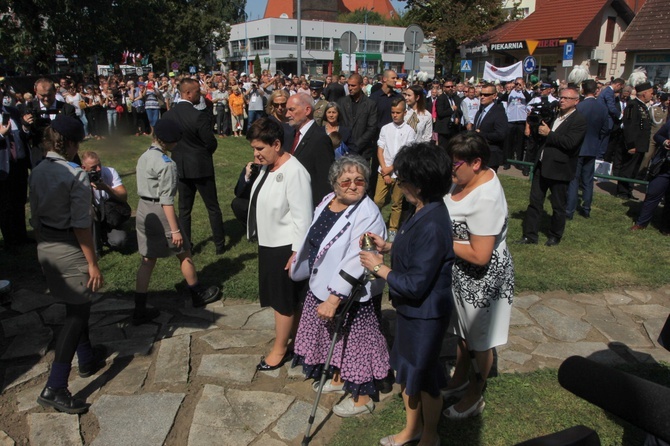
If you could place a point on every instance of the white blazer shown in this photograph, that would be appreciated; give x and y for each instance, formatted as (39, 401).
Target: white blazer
(339, 251)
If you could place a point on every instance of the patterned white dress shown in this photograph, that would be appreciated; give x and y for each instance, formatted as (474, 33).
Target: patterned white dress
(483, 294)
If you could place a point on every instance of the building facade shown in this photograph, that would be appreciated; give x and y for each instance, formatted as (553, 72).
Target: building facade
(276, 43)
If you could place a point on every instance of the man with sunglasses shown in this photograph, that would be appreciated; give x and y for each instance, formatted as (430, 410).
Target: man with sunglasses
(555, 167)
(517, 112)
(491, 122)
(448, 113)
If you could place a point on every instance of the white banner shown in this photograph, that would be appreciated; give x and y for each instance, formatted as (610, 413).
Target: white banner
(509, 73)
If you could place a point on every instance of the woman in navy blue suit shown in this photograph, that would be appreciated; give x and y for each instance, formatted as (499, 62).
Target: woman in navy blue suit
(419, 282)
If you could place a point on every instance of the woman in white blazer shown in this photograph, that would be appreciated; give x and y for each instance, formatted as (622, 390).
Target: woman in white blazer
(331, 245)
(280, 211)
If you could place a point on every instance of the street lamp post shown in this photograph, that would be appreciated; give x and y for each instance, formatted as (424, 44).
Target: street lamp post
(246, 44)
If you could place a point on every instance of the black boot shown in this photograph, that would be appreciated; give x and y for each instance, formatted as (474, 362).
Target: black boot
(61, 400)
(98, 362)
(142, 315)
(202, 296)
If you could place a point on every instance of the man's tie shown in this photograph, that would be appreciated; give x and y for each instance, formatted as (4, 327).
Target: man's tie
(296, 139)
(480, 116)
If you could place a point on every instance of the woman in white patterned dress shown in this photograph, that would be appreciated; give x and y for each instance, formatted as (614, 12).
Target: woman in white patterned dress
(483, 273)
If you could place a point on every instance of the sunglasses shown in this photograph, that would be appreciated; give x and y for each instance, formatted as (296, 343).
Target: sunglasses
(456, 165)
(282, 105)
(347, 183)
(486, 94)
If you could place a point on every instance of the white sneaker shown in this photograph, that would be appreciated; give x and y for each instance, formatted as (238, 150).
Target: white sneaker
(328, 387)
(347, 409)
(391, 236)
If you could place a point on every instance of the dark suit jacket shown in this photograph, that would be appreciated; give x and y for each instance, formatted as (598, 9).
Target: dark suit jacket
(429, 103)
(636, 126)
(334, 91)
(608, 98)
(193, 154)
(363, 126)
(560, 150)
(494, 129)
(597, 120)
(443, 124)
(315, 153)
(40, 124)
(422, 258)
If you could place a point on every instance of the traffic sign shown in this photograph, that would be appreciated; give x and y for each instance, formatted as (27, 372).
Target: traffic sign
(349, 42)
(192, 69)
(413, 37)
(569, 51)
(175, 66)
(466, 66)
(529, 64)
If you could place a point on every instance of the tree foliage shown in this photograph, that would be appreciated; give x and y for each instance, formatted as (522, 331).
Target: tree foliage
(99, 31)
(453, 22)
(337, 63)
(374, 18)
(257, 67)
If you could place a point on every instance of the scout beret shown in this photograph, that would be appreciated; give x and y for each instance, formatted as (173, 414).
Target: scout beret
(71, 128)
(167, 131)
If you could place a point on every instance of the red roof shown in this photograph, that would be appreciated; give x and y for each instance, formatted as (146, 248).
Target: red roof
(649, 29)
(275, 8)
(560, 19)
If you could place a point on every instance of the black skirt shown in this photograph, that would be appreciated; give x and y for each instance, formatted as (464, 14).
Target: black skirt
(275, 287)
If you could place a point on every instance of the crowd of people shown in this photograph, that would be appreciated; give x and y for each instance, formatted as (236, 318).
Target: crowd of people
(327, 157)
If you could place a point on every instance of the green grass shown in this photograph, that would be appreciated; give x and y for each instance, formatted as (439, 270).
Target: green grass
(595, 255)
(518, 407)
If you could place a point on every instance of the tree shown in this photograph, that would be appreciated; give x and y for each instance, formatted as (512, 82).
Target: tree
(257, 67)
(452, 22)
(337, 63)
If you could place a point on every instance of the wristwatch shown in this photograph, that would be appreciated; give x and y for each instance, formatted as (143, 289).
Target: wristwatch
(377, 268)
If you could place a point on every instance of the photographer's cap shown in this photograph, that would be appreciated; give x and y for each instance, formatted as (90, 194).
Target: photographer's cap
(167, 131)
(70, 128)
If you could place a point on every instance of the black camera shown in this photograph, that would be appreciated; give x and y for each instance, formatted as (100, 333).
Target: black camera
(539, 112)
(94, 176)
(255, 169)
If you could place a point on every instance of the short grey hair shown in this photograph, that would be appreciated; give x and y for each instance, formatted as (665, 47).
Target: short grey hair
(343, 164)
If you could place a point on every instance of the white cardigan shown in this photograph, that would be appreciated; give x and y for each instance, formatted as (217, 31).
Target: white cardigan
(284, 205)
(340, 250)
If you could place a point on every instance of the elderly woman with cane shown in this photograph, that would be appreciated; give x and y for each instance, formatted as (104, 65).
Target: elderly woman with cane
(483, 271)
(419, 282)
(360, 358)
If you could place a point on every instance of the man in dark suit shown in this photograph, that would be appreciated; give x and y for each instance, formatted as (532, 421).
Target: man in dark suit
(193, 156)
(334, 91)
(448, 114)
(311, 146)
(491, 122)
(555, 167)
(40, 112)
(359, 113)
(636, 136)
(597, 121)
(608, 98)
(14, 164)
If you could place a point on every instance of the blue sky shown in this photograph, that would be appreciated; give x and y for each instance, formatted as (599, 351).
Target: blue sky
(256, 8)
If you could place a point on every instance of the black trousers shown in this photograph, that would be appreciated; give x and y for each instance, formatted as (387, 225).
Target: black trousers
(516, 141)
(13, 193)
(626, 165)
(206, 187)
(559, 199)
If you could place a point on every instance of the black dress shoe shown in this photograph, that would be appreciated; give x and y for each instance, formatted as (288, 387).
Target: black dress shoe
(506, 167)
(142, 317)
(99, 360)
(526, 241)
(265, 367)
(220, 251)
(584, 214)
(552, 241)
(61, 400)
(205, 296)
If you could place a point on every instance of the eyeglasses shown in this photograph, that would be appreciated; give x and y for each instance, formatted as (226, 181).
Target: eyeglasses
(566, 98)
(456, 165)
(486, 94)
(346, 184)
(279, 105)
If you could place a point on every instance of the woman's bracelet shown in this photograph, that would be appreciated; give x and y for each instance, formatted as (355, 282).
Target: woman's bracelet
(175, 232)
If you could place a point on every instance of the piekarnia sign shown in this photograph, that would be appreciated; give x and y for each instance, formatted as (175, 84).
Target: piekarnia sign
(529, 44)
(507, 46)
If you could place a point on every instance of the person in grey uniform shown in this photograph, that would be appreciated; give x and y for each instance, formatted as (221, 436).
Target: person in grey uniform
(159, 231)
(60, 204)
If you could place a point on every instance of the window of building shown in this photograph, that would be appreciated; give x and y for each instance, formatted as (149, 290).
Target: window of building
(317, 43)
(394, 47)
(286, 39)
(259, 43)
(336, 45)
(374, 46)
(602, 71)
(609, 33)
(236, 45)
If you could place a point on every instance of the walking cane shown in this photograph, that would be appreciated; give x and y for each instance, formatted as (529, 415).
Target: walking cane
(471, 353)
(339, 320)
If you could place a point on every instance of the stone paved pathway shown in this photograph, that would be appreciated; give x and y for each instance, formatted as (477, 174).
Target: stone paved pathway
(190, 379)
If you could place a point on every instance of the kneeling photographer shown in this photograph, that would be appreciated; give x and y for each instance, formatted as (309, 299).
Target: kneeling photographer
(110, 200)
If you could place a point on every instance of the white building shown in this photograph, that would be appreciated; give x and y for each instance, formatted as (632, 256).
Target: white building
(275, 41)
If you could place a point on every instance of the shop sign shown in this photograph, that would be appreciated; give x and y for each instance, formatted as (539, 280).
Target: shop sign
(507, 46)
(652, 58)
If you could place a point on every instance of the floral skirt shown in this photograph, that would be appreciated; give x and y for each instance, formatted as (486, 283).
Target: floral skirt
(360, 352)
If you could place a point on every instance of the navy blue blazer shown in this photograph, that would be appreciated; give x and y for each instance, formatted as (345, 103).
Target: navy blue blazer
(597, 120)
(422, 258)
(607, 97)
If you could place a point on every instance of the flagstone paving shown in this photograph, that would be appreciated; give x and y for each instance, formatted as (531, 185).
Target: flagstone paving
(189, 378)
